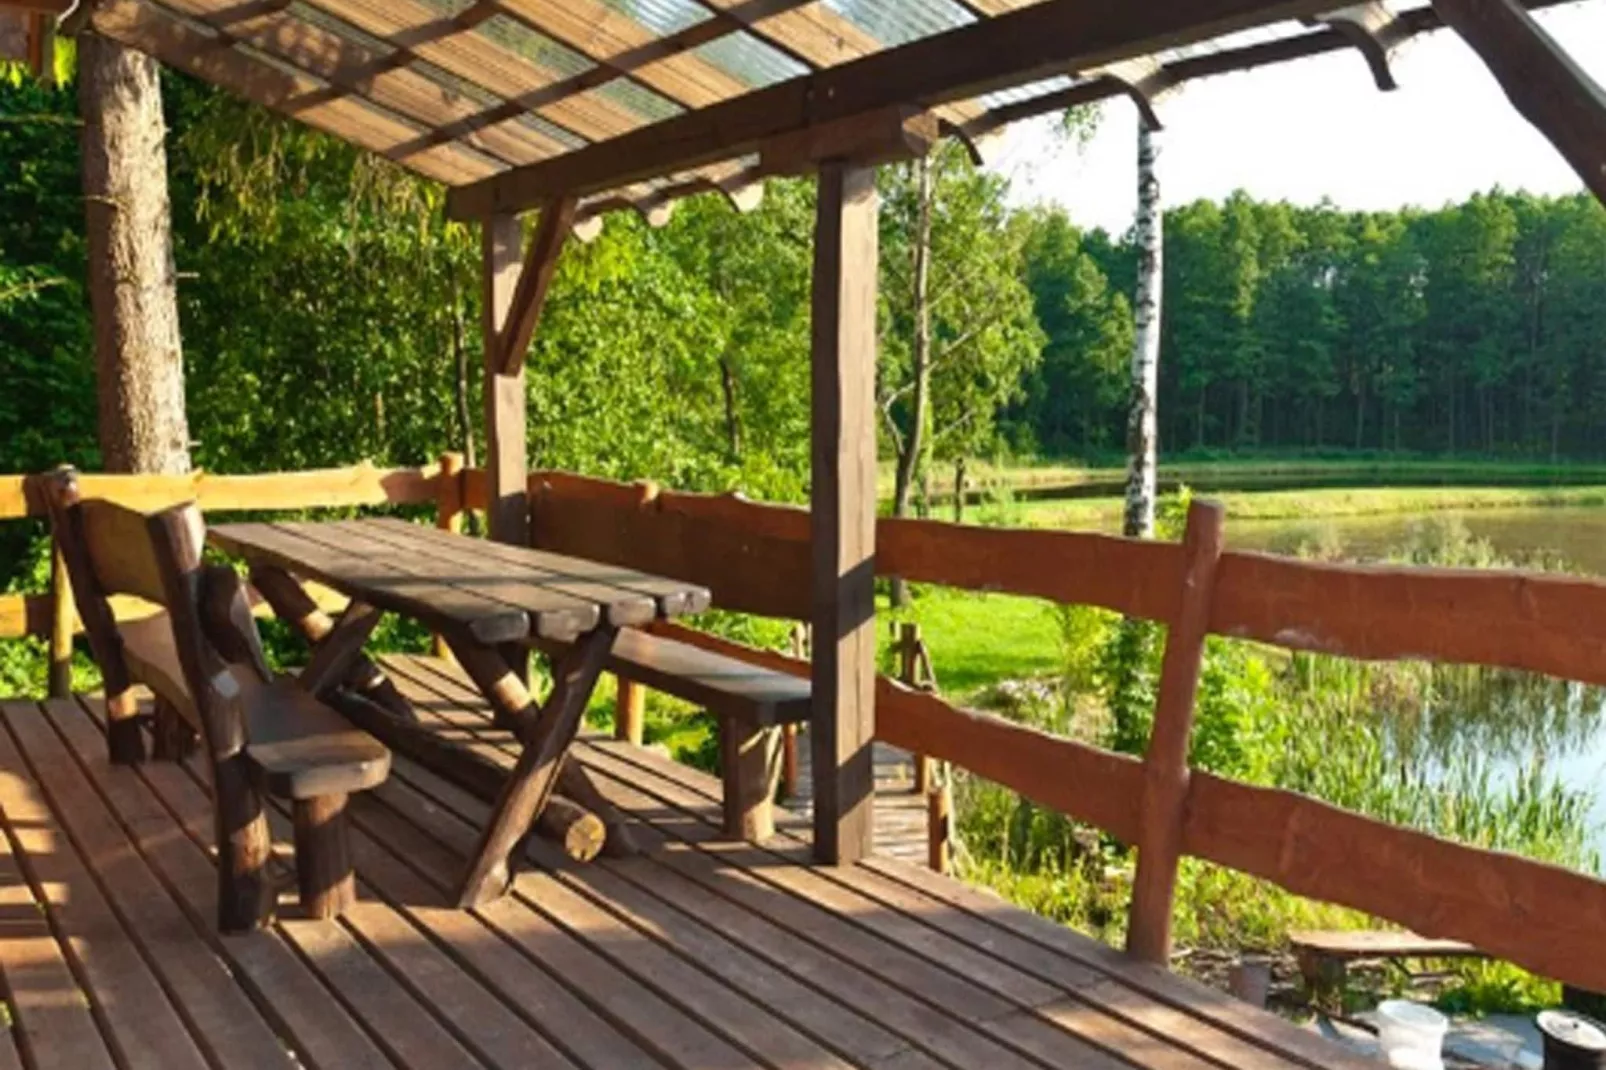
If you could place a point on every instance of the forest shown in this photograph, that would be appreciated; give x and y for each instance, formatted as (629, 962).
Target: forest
(330, 314)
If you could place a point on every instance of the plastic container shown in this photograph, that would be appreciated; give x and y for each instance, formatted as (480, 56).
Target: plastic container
(1412, 1036)
(1572, 1041)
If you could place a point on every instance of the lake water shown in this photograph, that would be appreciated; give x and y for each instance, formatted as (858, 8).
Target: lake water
(1575, 535)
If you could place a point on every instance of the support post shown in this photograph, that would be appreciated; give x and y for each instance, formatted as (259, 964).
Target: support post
(909, 673)
(630, 713)
(843, 511)
(448, 513)
(1165, 765)
(62, 619)
(506, 457)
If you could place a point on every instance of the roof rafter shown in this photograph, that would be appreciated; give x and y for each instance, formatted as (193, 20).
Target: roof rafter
(1033, 42)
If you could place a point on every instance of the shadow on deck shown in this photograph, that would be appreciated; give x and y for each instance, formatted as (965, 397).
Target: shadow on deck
(700, 954)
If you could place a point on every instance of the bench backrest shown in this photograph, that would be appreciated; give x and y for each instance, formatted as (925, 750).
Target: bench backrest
(110, 549)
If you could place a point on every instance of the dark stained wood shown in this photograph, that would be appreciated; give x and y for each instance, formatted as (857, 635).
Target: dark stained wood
(535, 279)
(307, 550)
(536, 772)
(333, 658)
(507, 453)
(842, 499)
(630, 711)
(580, 833)
(1437, 888)
(1544, 83)
(1165, 763)
(750, 768)
(323, 858)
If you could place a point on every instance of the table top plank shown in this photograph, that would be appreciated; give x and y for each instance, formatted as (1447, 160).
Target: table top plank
(552, 613)
(289, 546)
(622, 606)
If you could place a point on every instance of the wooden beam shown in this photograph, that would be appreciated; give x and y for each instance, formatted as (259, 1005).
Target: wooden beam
(1045, 39)
(1165, 765)
(887, 135)
(1544, 83)
(1146, 82)
(535, 281)
(843, 511)
(1376, 32)
(505, 448)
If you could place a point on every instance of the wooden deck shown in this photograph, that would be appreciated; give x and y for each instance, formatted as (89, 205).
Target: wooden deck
(699, 954)
(900, 812)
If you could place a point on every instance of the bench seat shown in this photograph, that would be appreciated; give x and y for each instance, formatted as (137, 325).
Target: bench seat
(298, 748)
(751, 703)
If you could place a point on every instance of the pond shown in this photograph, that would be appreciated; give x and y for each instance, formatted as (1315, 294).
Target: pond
(1563, 727)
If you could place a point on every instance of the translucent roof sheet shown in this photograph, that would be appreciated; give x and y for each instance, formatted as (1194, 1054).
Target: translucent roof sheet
(523, 80)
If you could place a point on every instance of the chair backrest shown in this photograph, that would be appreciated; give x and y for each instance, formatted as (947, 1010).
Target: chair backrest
(110, 549)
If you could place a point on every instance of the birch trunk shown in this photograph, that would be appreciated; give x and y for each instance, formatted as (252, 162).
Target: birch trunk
(1142, 433)
(139, 362)
(915, 443)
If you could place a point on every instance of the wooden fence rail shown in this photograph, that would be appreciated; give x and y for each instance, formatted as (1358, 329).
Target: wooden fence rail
(755, 558)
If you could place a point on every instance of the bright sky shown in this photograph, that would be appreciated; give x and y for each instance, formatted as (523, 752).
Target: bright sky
(1315, 128)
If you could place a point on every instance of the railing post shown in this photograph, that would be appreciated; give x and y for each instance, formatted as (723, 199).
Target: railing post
(909, 646)
(63, 620)
(789, 770)
(630, 713)
(448, 513)
(1165, 765)
(940, 828)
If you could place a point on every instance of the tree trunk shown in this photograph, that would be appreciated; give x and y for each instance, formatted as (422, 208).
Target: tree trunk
(910, 458)
(1142, 427)
(139, 362)
(733, 423)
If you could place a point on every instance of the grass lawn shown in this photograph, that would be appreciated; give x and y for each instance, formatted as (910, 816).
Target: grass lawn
(976, 640)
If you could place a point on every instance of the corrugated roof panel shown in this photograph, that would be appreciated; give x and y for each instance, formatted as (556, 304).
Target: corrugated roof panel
(1019, 93)
(895, 24)
(558, 60)
(662, 17)
(638, 100)
(749, 60)
(339, 27)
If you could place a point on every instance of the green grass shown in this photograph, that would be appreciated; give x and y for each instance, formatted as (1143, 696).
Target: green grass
(977, 640)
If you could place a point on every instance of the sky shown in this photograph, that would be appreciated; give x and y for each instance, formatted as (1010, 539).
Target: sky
(1317, 128)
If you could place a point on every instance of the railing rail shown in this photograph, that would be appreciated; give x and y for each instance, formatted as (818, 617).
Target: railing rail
(755, 558)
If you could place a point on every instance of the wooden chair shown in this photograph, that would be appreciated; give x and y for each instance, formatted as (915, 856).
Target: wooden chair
(203, 659)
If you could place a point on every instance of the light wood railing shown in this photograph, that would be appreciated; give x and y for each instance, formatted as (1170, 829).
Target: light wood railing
(51, 616)
(755, 558)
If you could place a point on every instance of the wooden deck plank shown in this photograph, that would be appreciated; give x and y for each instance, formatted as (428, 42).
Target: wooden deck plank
(699, 953)
(321, 1032)
(141, 1025)
(219, 1014)
(692, 885)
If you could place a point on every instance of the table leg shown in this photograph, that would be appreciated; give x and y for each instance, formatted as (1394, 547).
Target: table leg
(337, 653)
(291, 604)
(546, 744)
(502, 680)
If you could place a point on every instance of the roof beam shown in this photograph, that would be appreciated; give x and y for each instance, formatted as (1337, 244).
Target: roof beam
(535, 281)
(1146, 81)
(1045, 39)
(1545, 85)
(1376, 32)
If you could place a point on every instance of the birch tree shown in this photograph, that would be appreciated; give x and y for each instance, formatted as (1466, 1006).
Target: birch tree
(1142, 436)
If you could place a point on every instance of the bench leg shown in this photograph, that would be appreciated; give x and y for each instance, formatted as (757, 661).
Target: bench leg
(323, 856)
(244, 848)
(750, 762)
(125, 745)
(174, 740)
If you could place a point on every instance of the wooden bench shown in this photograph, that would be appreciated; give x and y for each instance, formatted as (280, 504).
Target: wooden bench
(1324, 956)
(203, 660)
(751, 703)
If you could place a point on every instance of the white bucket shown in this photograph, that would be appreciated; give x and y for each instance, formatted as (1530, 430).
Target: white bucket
(1412, 1036)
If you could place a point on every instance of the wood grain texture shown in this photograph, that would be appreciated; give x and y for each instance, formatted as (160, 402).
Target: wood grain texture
(535, 280)
(842, 510)
(1541, 917)
(1543, 82)
(507, 453)
(1165, 763)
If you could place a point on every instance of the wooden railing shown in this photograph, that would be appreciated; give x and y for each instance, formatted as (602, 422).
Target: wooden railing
(755, 558)
(51, 616)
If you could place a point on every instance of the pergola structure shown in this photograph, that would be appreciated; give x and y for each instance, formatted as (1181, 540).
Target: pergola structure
(579, 107)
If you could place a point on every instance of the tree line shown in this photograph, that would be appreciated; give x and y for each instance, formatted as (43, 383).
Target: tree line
(330, 313)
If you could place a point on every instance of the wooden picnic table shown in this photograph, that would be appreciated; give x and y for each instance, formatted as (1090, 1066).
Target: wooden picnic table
(491, 602)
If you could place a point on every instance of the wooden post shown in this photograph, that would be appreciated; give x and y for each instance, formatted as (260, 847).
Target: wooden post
(789, 763)
(506, 456)
(843, 511)
(940, 827)
(63, 618)
(1165, 766)
(630, 712)
(909, 673)
(448, 513)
